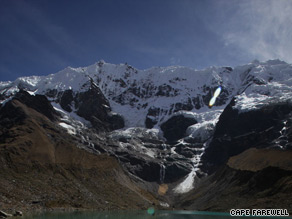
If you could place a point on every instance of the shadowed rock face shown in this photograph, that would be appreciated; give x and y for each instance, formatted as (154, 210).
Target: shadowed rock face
(145, 169)
(116, 121)
(175, 128)
(11, 115)
(176, 170)
(152, 112)
(66, 100)
(94, 107)
(236, 132)
(39, 103)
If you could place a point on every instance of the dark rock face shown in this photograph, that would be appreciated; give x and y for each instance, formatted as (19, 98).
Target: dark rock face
(51, 93)
(116, 121)
(175, 128)
(175, 171)
(144, 169)
(39, 103)
(229, 69)
(236, 132)
(10, 115)
(14, 112)
(166, 91)
(66, 100)
(2, 97)
(183, 106)
(150, 123)
(150, 117)
(92, 106)
(198, 102)
(121, 82)
(188, 149)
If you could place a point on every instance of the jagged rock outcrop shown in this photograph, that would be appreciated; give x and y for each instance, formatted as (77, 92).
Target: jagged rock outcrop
(94, 107)
(91, 105)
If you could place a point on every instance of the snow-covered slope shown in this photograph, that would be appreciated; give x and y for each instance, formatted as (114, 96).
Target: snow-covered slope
(267, 82)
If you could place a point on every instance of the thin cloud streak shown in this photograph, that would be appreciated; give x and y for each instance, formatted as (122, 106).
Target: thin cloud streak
(39, 40)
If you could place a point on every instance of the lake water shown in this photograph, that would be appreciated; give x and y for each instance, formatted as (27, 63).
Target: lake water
(136, 215)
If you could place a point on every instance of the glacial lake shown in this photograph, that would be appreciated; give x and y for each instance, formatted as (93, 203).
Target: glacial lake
(137, 215)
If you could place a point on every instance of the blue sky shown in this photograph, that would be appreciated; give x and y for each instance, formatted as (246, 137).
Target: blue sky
(39, 37)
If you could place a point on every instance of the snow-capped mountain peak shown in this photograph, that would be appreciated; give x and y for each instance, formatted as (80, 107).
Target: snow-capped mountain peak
(159, 92)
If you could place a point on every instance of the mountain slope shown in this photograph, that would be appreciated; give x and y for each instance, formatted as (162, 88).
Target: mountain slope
(157, 123)
(41, 168)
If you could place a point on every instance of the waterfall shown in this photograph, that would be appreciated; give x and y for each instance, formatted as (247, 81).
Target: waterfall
(162, 173)
(188, 184)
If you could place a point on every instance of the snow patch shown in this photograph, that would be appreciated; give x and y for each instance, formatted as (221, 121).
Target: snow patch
(164, 204)
(32, 93)
(70, 129)
(187, 184)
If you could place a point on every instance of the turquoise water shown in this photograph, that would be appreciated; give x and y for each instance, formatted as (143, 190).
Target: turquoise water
(137, 214)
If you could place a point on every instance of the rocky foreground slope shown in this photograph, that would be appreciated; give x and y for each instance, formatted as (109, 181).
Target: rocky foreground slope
(112, 136)
(41, 167)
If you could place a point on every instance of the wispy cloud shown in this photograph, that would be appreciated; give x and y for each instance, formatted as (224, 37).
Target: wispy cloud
(261, 29)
